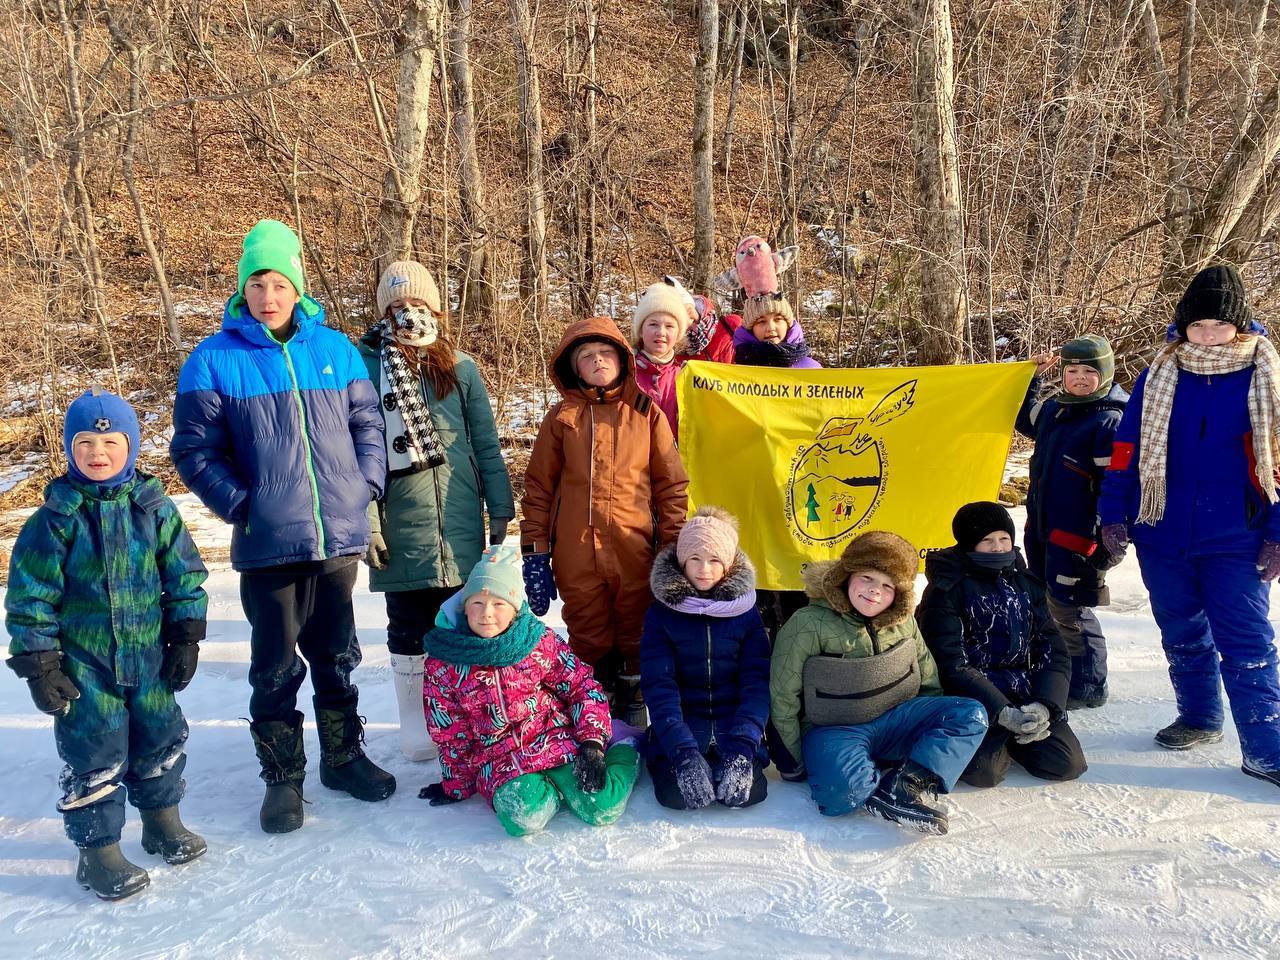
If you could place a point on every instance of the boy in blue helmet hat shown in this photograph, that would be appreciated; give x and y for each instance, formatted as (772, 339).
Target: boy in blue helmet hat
(105, 611)
(277, 430)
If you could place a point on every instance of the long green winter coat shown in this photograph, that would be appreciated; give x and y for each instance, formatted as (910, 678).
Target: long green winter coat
(829, 625)
(433, 520)
(107, 579)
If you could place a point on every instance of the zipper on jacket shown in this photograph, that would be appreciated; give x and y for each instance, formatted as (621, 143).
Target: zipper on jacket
(591, 464)
(711, 697)
(435, 479)
(306, 445)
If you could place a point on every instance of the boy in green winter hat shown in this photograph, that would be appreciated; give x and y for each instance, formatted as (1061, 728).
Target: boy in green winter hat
(277, 430)
(1073, 429)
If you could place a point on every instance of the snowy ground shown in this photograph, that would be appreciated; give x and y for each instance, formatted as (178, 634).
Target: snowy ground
(1151, 854)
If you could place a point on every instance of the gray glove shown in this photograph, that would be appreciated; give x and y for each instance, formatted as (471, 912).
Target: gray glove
(377, 555)
(1037, 714)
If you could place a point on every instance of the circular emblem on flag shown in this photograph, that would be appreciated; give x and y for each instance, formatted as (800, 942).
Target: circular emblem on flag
(102, 425)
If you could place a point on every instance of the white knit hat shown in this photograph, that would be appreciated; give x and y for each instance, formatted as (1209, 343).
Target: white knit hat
(404, 280)
(670, 297)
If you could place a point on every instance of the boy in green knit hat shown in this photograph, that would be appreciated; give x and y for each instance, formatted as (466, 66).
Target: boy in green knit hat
(277, 430)
(1073, 431)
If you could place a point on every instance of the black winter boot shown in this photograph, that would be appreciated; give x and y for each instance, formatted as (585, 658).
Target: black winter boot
(1253, 770)
(628, 702)
(897, 798)
(1179, 736)
(284, 765)
(164, 833)
(343, 765)
(106, 872)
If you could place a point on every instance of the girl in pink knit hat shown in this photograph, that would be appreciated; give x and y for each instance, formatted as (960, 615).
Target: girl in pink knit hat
(704, 669)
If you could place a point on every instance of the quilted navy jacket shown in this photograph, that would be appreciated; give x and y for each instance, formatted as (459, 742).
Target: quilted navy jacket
(283, 440)
(705, 678)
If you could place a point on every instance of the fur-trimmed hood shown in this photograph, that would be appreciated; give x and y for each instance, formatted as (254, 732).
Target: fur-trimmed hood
(670, 586)
(877, 550)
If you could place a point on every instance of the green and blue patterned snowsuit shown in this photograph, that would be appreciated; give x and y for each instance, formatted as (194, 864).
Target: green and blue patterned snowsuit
(110, 578)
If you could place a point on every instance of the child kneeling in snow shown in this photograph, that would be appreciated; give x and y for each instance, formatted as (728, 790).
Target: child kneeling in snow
(985, 621)
(515, 714)
(855, 693)
(704, 669)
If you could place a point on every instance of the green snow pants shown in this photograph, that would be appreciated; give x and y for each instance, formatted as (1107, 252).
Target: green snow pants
(525, 804)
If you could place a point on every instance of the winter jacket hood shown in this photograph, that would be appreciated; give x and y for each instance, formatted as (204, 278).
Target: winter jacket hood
(877, 550)
(601, 329)
(236, 318)
(671, 587)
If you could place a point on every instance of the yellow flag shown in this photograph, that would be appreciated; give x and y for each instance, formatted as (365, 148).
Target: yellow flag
(808, 459)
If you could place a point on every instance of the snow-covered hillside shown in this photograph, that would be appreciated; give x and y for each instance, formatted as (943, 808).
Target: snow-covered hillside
(1151, 854)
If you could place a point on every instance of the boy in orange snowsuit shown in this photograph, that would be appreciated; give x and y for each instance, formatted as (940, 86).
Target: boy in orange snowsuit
(604, 471)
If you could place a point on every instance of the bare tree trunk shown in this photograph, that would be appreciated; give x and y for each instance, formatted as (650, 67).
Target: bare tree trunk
(1230, 192)
(76, 196)
(704, 99)
(787, 141)
(1042, 209)
(1177, 198)
(402, 183)
(135, 54)
(740, 38)
(475, 292)
(933, 140)
(1249, 18)
(533, 271)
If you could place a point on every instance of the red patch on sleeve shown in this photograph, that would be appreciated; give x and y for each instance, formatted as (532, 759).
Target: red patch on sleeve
(1073, 542)
(1121, 455)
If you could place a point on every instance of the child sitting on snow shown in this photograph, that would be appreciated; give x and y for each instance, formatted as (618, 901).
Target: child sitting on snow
(855, 694)
(704, 669)
(105, 614)
(515, 715)
(658, 326)
(984, 619)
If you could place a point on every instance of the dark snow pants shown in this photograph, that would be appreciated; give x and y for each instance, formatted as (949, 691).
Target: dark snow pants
(667, 790)
(845, 763)
(1212, 613)
(116, 736)
(411, 615)
(1082, 633)
(307, 608)
(1057, 757)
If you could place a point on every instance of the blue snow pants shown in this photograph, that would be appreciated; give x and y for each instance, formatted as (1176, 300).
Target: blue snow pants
(115, 738)
(845, 763)
(1082, 633)
(1212, 614)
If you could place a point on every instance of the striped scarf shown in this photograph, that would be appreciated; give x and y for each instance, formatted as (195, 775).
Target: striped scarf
(412, 441)
(1157, 406)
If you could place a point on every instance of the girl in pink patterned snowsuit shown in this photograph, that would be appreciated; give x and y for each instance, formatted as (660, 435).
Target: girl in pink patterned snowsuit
(516, 715)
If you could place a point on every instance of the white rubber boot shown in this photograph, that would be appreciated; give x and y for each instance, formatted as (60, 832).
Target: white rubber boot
(406, 672)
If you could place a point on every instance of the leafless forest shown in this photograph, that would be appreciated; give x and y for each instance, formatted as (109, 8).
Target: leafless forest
(966, 182)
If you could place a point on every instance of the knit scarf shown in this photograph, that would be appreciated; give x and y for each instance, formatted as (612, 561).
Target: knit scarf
(1157, 406)
(456, 644)
(762, 353)
(412, 441)
(698, 337)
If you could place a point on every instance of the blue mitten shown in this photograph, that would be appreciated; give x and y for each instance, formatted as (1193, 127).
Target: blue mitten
(538, 582)
(693, 778)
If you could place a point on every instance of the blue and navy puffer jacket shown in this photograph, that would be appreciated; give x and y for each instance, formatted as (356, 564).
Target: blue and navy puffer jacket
(283, 440)
(1073, 448)
(1213, 503)
(705, 678)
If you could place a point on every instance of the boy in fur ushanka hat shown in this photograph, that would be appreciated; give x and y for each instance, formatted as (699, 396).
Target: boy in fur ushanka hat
(855, 695)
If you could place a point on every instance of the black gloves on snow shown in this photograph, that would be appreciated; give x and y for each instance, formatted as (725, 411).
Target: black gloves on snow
(588, 767)
(179, 665)
(693, 777)
(435, 793)
(51, 689)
